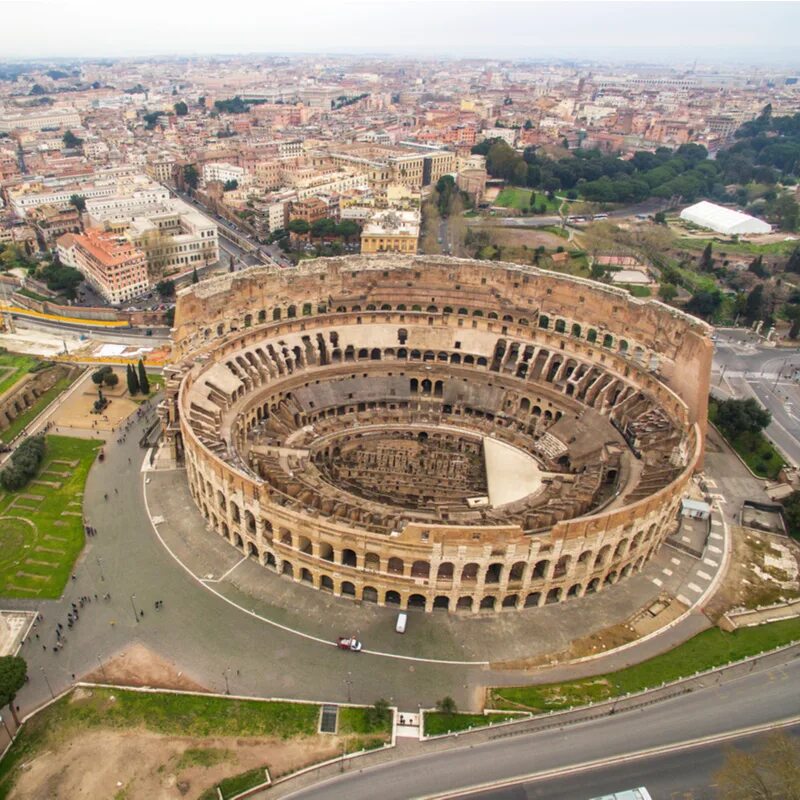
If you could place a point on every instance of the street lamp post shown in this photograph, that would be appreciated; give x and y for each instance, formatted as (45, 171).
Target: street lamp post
(225, 675)
(133, 606)
(100, 564)
(349, 683)
(102, 667)
(44, 674)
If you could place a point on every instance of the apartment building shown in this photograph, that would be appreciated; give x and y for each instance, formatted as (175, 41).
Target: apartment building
(223, 172)
(114, 267)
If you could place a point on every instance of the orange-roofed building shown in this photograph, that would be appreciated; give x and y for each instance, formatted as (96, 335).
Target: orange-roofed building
(112, 265)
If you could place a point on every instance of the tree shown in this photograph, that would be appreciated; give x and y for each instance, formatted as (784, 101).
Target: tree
(446, 705)
(195, 277)
(144, 383)
(299, 226)
(735, 417)
(71, 141)
(347, 228)
(660, 218)
(181, 109)
(793, 264)
(754, 305)
(166, 288)
(230, 185)
(111, 379)
(378, 714)
(769, 772)
(133, 381)
(13, 673)
(100, 375)
(707, 260)
(757, 267)
(323, 227)
(704, 304)
(792, 313)
(784, 212)
(190, 176)
(791, 510)
(79, 201)
(667, 292)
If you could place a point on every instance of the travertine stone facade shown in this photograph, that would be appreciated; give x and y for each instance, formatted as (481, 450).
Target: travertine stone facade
(301, 400)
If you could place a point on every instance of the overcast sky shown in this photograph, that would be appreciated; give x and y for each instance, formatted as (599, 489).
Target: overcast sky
(749, 32)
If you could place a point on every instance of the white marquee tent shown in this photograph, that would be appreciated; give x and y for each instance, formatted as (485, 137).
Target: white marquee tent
(723, 220)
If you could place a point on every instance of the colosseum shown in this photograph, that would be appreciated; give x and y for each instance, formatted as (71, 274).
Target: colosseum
(436, 433)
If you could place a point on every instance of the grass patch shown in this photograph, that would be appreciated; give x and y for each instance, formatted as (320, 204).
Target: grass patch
(36, 559)
(695, 282)
(755, 449)
(156, 381)
(709, 649)
(230, 787)
(36, 296)
(29, 414)
(516, 197)
(437, 723)
(202, 757)
(13, 367)
(556, 231)
(722, 247)
(358, 720)
(636, 291)
(170, 714)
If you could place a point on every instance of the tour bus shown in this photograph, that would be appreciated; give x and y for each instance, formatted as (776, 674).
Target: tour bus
(402, 619)
(628, 794)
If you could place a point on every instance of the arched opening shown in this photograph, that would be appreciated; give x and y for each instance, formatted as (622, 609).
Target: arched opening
(592, 586)
(574, 590)
(540, 569)
(326, 583)
(554, 595)
(306, 576)
(544, 322)
(325, 551)
(493, 573)
(416, 601)
(288, 569)
(369, 594)
(348, 589)
(392, 598)
(533, 599)
(464, 604)
(349, 557)
(488, 603)
(395, 565)
(420, 569)
(441, 603)
(469, 572)
(510, 601)
(372, 561)
(445, 571)
(517, 571)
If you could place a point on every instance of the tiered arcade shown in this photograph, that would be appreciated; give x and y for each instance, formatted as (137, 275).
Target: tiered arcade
(433, 432)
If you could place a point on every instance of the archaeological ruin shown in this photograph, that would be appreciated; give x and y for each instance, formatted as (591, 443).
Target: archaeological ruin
(436, 433)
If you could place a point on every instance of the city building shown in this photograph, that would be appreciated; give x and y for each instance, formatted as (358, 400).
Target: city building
(113, 266)
(391, 232)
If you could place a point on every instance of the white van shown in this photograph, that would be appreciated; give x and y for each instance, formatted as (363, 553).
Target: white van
(402, 619)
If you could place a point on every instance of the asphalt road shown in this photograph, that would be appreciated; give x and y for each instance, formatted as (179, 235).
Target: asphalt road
(754, 699)
(746, 368)
(670, 776)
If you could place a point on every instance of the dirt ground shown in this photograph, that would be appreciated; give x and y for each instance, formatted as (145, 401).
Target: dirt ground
(743, 587)
(74, 412)
(516, 237)
(138, 765)
(138, 666)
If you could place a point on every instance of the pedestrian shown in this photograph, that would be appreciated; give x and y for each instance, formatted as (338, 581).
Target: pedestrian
(37, 635)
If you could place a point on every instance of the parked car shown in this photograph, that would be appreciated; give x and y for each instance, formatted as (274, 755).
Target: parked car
(349, 643)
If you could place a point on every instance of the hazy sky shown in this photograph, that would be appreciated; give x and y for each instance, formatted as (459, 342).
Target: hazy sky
(657, 31)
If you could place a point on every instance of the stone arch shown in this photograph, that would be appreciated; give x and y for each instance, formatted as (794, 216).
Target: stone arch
(372, 561)
(510, 601)
(392, 598)
(326, 583)
(348, 589)
(445, 571)
(574, 590)
(395, 565)
(369, 594)
(517, 572)
(493, 573)
(287, 569)
(554, 595)
(349, 558)
(488, 603)
(469, 572)
(464, 603)
(540, 568)
(441, 603)
(533, 599)
(416, 601)
(420, 569)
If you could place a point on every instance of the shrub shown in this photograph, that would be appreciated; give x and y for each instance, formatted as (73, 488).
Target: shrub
(24, 463)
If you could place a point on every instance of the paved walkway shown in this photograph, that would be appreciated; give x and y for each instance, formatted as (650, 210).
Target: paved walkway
(202, 634)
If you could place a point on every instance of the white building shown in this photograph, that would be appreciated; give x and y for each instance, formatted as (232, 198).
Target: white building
(222, 172)
(723, 220)
(40, 119)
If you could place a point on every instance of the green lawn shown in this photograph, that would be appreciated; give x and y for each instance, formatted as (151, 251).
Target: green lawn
(755, 449)
(519, 197)
(437, 723)
(41, 526)
(13, 367)
(636, 291)
(230, 787)
(740, 248)
(709, 649)
(171, 714)
(29, 414)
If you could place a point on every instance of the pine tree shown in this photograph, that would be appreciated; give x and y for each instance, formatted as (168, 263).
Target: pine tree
(195, 278)
(133, 381)
(793, 264)
(144, 384)
(706, 260)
